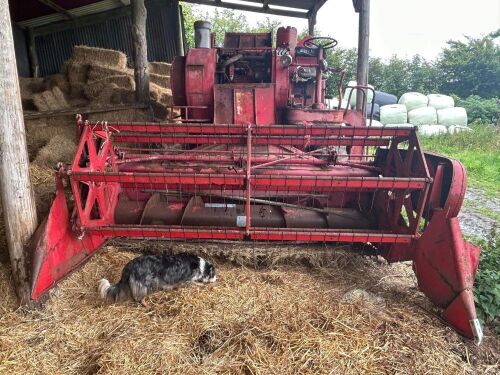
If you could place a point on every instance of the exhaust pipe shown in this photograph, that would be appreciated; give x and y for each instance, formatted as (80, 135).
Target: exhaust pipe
(202, 31)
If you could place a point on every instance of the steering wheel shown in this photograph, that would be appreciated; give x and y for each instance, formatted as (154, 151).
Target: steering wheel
(324, 42)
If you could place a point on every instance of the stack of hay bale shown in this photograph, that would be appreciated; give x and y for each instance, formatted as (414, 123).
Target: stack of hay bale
(434, 114)
(96, 77)
(44, 94)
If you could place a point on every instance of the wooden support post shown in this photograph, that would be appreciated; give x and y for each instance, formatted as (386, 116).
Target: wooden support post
(34, 64)
(141, 74)
(312, 23)
(18, 201)
(363, 48)
(178, 29)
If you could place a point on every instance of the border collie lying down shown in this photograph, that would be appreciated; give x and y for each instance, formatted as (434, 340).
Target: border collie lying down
(148, 273)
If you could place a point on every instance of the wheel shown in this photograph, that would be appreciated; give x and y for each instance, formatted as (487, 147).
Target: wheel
(324, 42)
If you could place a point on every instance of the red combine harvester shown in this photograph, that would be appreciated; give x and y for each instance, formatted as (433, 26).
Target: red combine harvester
(256, 155)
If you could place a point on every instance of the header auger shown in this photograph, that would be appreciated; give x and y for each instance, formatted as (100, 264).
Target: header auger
(255, 154)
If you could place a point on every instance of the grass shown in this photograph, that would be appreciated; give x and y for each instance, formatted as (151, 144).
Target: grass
(485, 212)
(477, 150)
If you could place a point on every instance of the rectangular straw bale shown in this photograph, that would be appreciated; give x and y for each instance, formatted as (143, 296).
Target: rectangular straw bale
(77, 73)
(160, 111)
(93, 88)
(155, 91)
(99, 56)
(161, 68)
(127, 96)
(51, 101)
(59, 96)
(58, 80)
(39, 102)
(160, 80)
(111, 94)
(160, 94)
(29, 86)
(98, 72)
(76, 90)
(166, 97)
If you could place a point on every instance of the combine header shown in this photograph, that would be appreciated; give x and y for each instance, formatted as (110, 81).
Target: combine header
(256, 155)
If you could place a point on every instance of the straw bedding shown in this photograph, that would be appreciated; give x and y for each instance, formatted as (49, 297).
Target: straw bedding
(281, 319)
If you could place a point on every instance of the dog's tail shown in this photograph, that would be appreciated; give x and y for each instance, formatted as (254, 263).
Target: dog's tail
(112, 293)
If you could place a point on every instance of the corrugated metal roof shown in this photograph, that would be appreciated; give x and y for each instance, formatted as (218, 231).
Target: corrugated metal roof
(53, 16)
(292, 8)
(33, 13)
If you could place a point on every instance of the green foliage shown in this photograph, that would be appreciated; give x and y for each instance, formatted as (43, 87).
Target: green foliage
(225, 20)
(189, 19)
(222, 20)
(471, 67)
(487, 282)
(464, 68)
(477, 150)
(480, 110)
(338, 57)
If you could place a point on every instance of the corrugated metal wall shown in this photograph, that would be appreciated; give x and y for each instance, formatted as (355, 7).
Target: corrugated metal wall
(115, 33)
(22, 60)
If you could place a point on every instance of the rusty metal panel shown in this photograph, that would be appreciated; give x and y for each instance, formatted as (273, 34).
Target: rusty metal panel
(245, 104)
(223, 110)
(264, 104)
(247, 40)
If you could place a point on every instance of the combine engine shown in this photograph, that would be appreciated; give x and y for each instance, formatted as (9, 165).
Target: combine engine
(255, 155)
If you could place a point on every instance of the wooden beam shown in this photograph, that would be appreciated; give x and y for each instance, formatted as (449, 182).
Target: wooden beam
(317, 6)
(57, 8)
(34, 64)
(311, 23)
(18, 201)
(179, 29)
(140, 45)
(249, 8)
(363, 48)
(82, 111)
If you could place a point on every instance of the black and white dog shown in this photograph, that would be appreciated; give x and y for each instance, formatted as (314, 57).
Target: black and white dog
(148, 273)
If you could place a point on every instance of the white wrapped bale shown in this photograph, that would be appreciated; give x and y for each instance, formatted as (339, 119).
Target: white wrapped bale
(334, 103)
(392, 126)
(352, 102)
(454, 129)
(439, 101)
(413, 100)
(423, 116)
(452, 116)
(431, 130)
(393, 114)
